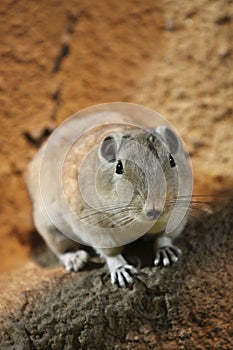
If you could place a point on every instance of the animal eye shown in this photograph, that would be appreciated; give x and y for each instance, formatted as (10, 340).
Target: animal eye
(152, 138)
(119, 168)
(172, 162)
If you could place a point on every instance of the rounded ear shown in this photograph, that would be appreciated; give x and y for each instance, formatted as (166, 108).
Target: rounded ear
(108, 147)
(170, 138)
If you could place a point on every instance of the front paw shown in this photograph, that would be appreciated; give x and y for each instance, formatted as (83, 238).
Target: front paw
(74, 261)
(122, 275)
(167, 255)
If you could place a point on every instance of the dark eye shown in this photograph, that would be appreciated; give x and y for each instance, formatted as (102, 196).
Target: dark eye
(119, 168)
(172, 162)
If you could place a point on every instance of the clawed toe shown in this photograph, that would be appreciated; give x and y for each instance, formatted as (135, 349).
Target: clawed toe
(167, 255)
(123, 275)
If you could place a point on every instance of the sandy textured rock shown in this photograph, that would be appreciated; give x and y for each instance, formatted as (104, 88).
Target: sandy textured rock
(186, 306)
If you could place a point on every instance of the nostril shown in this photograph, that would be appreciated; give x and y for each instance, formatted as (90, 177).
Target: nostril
(153, 214)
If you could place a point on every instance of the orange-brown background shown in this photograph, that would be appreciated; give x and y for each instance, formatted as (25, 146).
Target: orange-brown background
(175, 57)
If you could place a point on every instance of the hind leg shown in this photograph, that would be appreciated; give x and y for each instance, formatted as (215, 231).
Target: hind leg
(63, 247)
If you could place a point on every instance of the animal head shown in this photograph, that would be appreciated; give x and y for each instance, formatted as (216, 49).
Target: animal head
(138, 171)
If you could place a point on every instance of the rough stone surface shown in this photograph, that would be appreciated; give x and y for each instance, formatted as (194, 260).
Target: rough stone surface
(59, 57)
(186, 306)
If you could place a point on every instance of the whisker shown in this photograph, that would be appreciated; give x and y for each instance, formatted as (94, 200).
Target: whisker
(213, 198)
(202, 195)
(110, 212)
(193, 210)
(197, 202)
(193, 201)
(120, 219)
(192, 207)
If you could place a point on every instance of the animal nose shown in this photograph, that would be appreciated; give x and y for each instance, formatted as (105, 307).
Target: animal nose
(153, 214)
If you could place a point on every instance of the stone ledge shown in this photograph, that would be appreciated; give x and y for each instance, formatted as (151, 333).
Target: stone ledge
(188, 305)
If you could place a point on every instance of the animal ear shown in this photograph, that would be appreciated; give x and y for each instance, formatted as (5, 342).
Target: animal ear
(171, 139)
(108, 147)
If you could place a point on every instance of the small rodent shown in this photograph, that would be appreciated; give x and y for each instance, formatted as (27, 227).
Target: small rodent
(119, 183)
